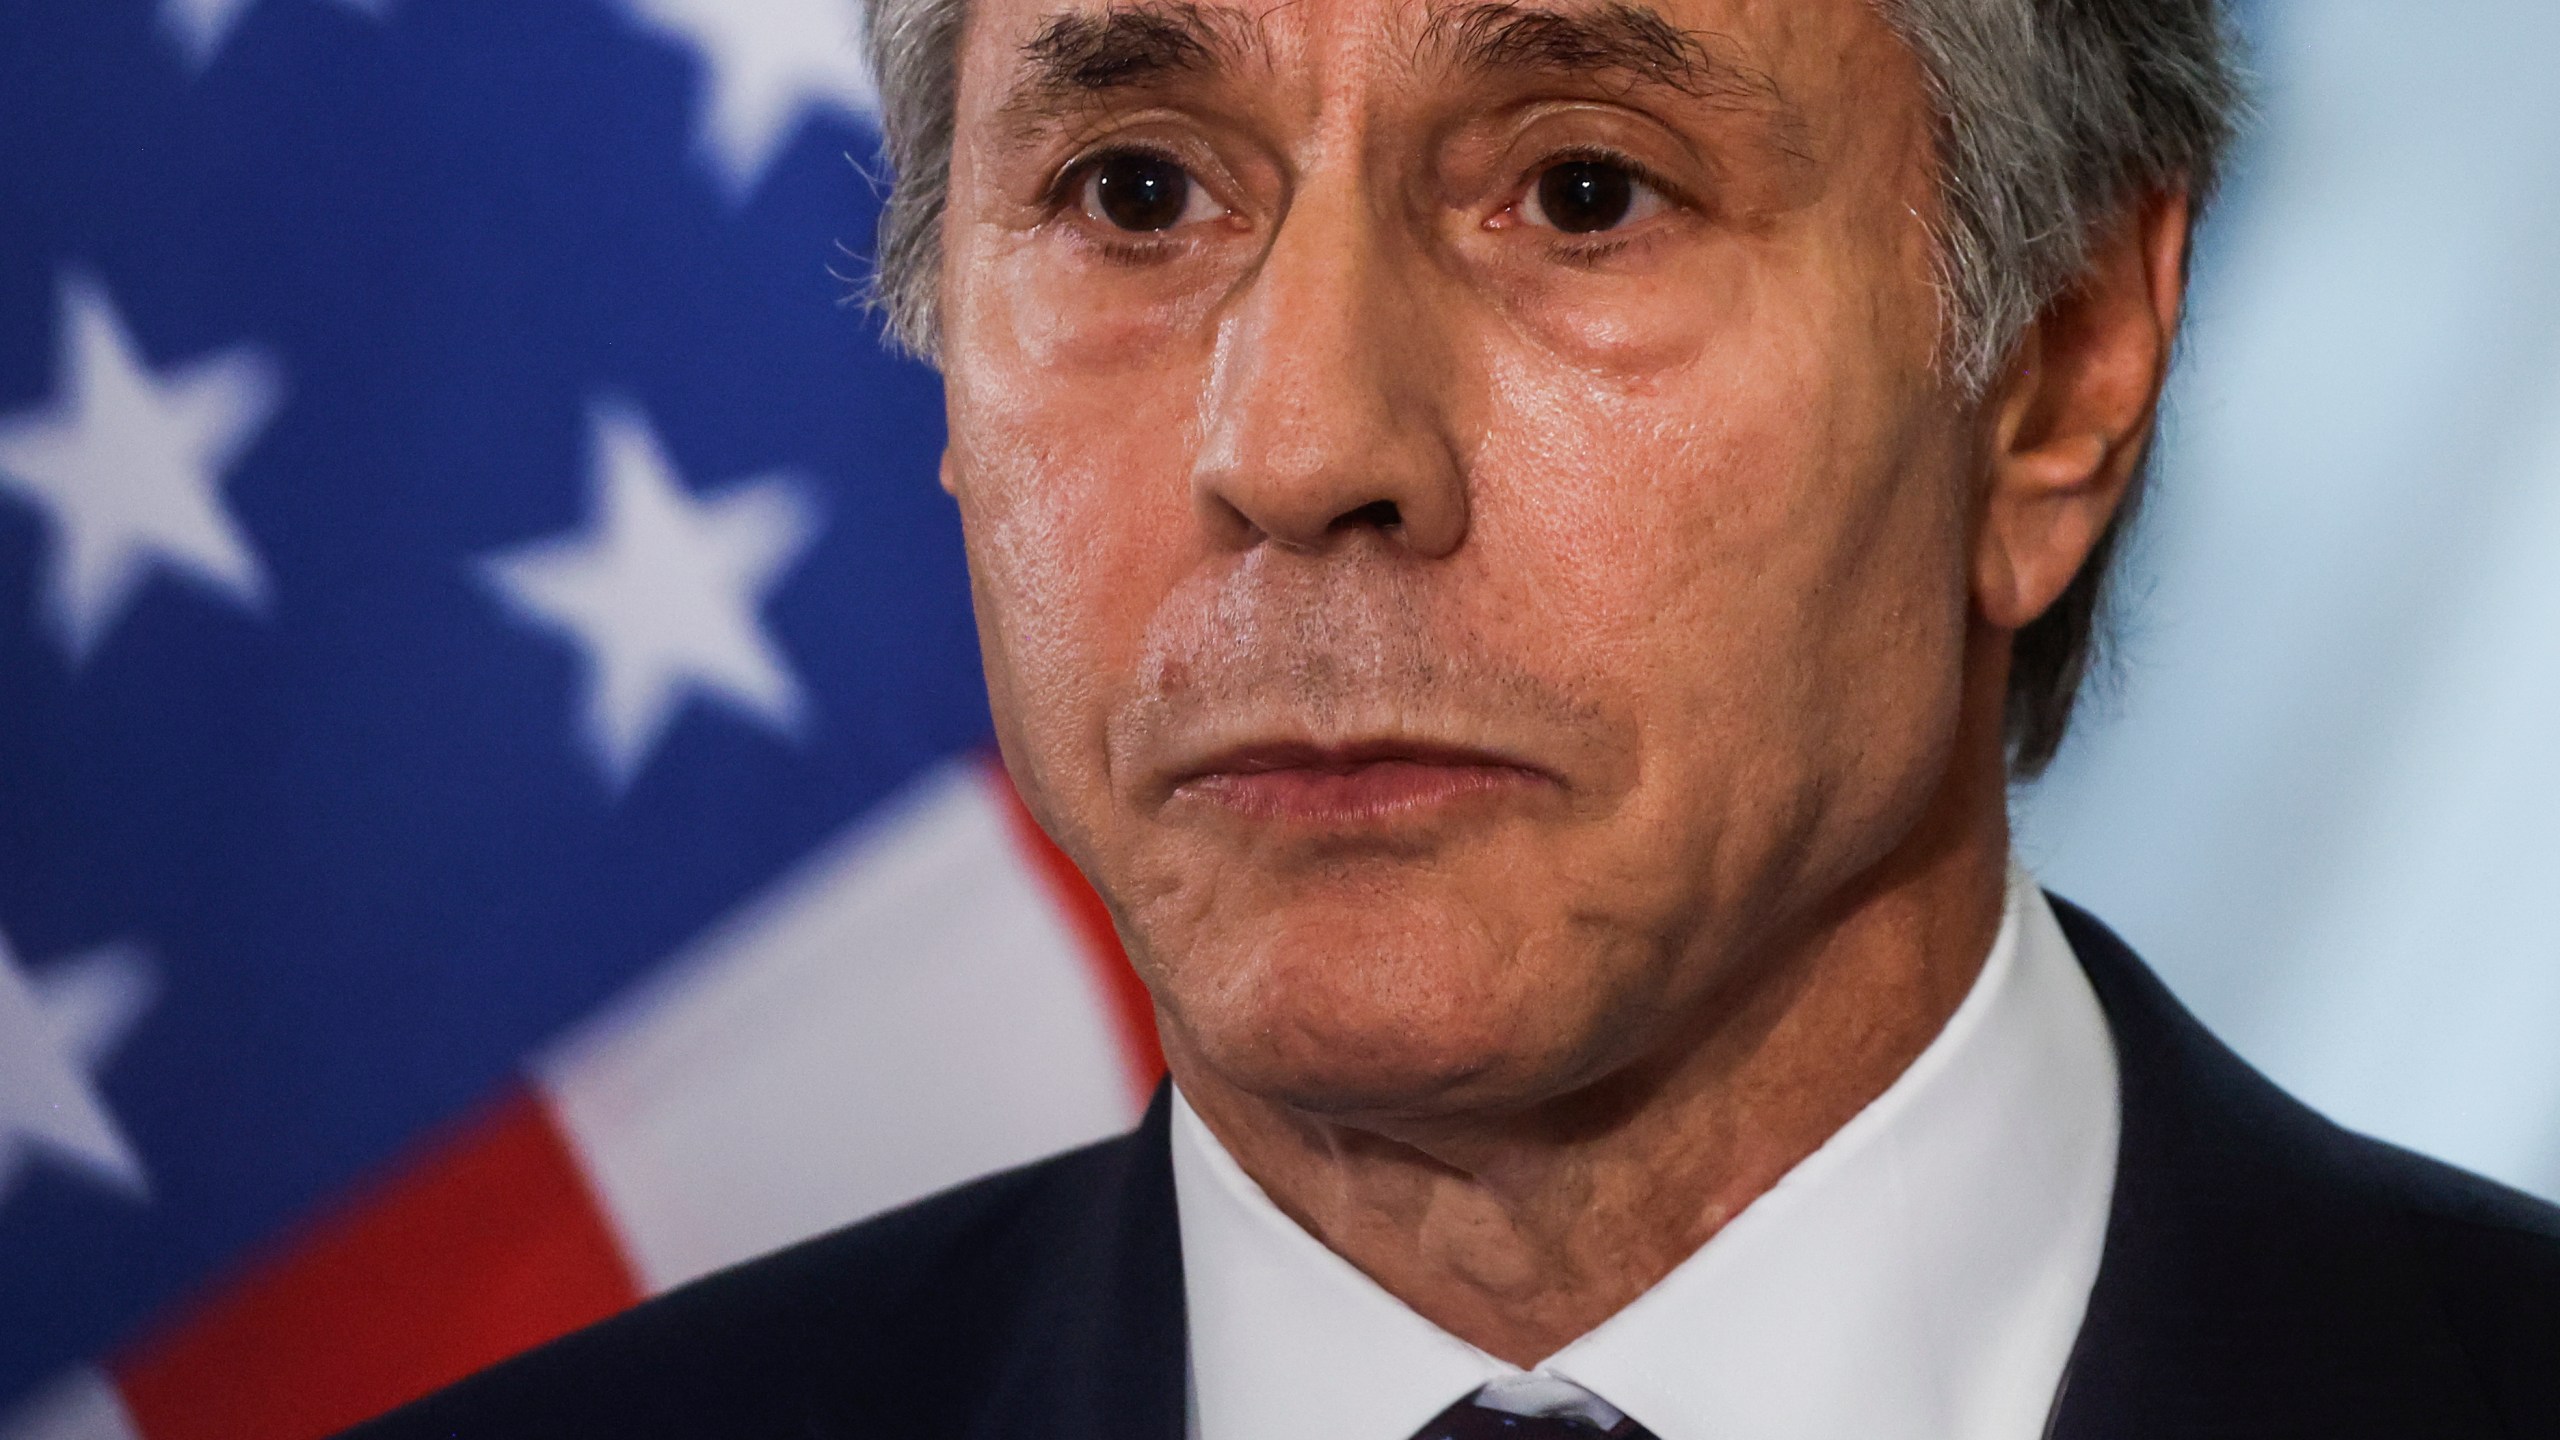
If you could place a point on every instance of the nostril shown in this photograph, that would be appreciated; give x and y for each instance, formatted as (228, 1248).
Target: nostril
(1376, 515)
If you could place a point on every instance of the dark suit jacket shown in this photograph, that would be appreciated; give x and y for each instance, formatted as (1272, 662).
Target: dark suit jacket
(2265, 1274)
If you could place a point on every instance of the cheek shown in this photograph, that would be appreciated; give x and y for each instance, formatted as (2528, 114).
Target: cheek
(1658, 514)
(1075, 503)
(1066, 310)
(1712, 478)
(1762, 553)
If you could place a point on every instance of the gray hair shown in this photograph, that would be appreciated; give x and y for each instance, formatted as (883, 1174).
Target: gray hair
(2053, 117)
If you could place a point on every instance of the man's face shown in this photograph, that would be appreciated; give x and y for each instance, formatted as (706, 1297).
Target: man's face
(1468, 542)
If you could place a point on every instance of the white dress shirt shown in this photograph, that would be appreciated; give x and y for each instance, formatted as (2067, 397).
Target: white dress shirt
(1922, 1275)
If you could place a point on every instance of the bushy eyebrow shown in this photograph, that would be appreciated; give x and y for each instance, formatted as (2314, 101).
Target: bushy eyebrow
(1626, 45)
(1625, 39)
(1085, 54)
(1082, 56)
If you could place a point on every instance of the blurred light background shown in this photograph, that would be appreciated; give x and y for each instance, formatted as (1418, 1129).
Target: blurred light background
(388, 388)
(2322, 795)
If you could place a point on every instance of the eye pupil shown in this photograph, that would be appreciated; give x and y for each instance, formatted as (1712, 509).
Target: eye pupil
(1141, 192)
(1580, 196)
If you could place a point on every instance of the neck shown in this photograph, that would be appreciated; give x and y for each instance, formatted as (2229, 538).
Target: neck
(1521, 1231)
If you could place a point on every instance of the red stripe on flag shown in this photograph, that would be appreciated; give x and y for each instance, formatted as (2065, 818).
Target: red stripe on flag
(1131, 1006)
(487, 1244)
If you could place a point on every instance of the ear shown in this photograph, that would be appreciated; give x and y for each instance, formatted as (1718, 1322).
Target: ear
(950, 482)
(2070, 419)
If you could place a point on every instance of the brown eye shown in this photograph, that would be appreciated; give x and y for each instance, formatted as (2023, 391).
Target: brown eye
(1581, 196)
(1139, 192)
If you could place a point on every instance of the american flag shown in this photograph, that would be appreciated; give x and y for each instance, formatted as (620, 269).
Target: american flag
(494, 810)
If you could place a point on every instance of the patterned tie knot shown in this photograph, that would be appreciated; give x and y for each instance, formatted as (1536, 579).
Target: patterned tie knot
(1532, 1407)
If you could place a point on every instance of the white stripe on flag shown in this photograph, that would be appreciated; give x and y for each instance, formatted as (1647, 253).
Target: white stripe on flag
(82, 1405)
(905, 1011)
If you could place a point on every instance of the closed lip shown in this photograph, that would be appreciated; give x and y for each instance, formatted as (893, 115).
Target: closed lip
(1281, 760)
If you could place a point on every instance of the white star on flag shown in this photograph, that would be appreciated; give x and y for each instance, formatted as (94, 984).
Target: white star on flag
(58, 1029)
(661, 593)
(201, 26)
(128, 468)
(766, 64)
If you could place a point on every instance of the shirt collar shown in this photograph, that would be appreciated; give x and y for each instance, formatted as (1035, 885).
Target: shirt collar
(1922, 1274)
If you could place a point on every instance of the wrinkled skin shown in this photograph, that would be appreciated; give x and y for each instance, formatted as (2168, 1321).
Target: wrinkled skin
(1530, 697)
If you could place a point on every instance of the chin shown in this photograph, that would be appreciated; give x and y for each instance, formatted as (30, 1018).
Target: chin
(1340, 1014)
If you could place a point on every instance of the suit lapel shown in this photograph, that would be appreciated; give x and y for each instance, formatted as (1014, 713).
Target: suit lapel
(2251, 1285)
(1101, 1350)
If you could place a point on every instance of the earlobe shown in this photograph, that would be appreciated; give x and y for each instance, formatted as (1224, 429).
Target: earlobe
(2045, 516)
(943, 472)
(2070, 421)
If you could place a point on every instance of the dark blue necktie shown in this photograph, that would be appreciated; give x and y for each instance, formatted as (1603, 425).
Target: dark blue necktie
(1468, 1420)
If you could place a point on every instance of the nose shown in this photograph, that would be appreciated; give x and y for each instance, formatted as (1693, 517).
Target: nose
(1327, 414)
